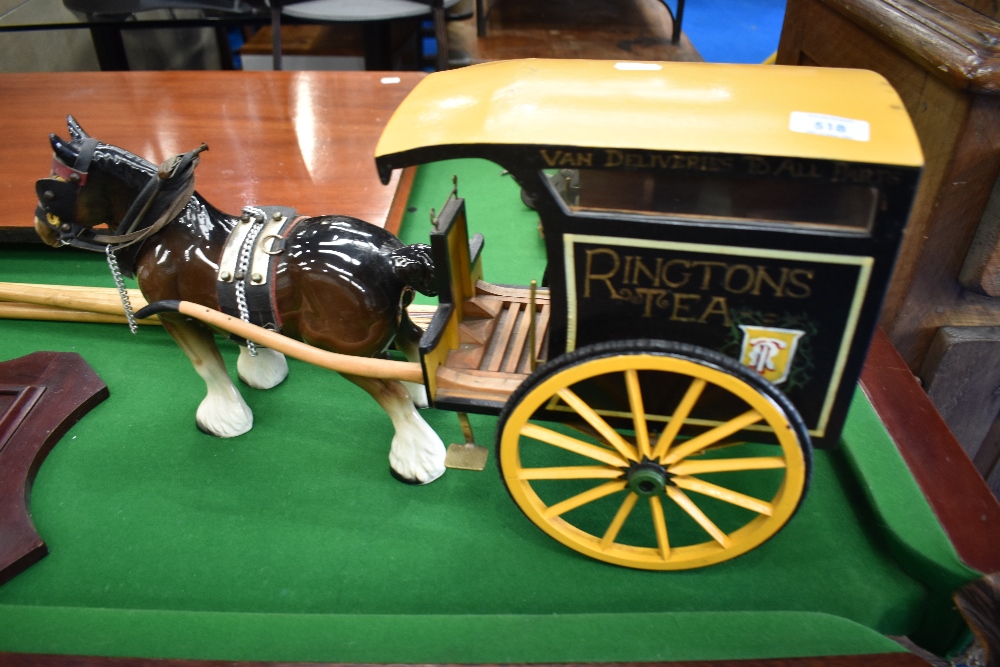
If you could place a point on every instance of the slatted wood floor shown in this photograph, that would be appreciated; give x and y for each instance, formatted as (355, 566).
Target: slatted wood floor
(494, 354)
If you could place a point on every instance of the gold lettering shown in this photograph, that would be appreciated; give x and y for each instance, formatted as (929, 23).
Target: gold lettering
(686, 275)
(613, 158)
(764, 277)
(793, 278)
(706, 279)
(731, 271)
(628, 269)
(841, 172)
(717, 306)
(723, 163)
(635, 161)
(551, 161)
(786, 167)
(679, 305)
(651, 275)
(649, 294)
(601, 277)
(757, 166)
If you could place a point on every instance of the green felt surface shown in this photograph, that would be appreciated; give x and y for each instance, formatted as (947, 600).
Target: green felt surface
(292, 542)
(428, 638)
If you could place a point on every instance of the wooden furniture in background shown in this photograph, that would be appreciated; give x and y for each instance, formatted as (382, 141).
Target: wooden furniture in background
(943, 59)
(301, 139)
(599, 29)
(485, 7)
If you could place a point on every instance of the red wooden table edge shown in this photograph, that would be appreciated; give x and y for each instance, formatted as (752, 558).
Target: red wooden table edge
(964, 505)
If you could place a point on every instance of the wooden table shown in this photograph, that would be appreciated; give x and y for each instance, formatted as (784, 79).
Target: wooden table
(302, 139)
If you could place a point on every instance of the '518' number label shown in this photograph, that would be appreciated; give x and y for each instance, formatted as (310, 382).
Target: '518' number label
(829, 126)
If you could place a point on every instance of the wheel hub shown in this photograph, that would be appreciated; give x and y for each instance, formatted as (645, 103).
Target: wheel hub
(647, 478)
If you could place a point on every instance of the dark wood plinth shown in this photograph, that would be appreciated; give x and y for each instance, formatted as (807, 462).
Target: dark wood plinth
(41, 396)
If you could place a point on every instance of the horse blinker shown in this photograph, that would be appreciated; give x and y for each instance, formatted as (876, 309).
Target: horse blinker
(63, 150)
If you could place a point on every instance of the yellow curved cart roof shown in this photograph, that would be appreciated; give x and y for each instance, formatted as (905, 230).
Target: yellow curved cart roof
(703, 107)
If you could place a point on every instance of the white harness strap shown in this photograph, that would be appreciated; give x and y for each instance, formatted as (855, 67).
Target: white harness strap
(245, 279)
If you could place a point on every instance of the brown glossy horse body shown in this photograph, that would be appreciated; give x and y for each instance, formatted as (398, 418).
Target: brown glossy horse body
(340, 284)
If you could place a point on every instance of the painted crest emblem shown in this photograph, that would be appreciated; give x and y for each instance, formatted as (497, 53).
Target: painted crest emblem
(769, 351)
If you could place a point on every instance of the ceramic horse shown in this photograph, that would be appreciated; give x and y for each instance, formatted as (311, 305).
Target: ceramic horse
(340, 283)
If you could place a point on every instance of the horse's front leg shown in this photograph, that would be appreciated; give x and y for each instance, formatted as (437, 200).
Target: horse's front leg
(417, 453)
(223, 412)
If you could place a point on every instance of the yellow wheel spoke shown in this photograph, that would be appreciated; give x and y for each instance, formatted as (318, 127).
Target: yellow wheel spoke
(601, 426)
(684, 408)
(570, 472)
(618, 521)
(711, 437)
(660, 526)
(688, 506)
(724, 494)
(582, 499)
(689, 467)
(584, 482)
(638, 412)
(572, 444)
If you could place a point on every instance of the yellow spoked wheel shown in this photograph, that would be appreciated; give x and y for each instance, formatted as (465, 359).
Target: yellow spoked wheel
(659, 472)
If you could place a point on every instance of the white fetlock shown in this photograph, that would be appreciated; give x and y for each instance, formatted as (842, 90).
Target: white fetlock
(418, 393)
(268, 369)
(224, 414)
(417, 454)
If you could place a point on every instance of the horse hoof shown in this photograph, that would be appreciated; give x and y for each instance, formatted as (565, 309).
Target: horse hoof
(224, 431)
(224, 419)
(412, 482)
(268, 369)
(417, 453)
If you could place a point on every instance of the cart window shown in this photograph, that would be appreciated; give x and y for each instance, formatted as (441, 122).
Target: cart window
(719, 197)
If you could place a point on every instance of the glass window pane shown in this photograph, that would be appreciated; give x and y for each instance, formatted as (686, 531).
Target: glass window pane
(718, 197)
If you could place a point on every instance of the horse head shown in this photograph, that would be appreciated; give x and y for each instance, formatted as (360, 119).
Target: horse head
(94, 184)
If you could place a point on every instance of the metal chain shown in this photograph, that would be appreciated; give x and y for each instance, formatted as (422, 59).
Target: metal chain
(254, 216)
(120, 284)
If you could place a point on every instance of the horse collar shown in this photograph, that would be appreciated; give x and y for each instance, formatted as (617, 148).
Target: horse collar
(245, 281)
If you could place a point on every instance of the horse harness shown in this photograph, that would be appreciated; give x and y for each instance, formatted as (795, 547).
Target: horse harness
(161, 199)
(245, 286)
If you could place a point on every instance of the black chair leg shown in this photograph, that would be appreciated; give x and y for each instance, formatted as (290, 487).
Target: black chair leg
(441, 35)
(225, 50)
(378, 46)
(676, 36)
(276, 35)
(110, 48)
